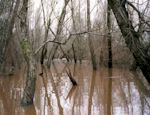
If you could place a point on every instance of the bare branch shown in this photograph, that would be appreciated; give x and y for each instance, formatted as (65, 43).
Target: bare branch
(139, 13)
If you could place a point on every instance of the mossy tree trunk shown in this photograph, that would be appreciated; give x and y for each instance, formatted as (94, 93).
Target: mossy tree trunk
(29, 90)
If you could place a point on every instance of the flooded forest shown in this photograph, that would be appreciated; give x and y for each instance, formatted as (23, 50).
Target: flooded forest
(74, 57)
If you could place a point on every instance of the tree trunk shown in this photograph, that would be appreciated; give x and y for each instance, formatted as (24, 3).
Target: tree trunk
(29, 90)
(8, 12)
(109, 37)
(74, 54)
(131, 37)
(109, 91)
(4, 22)
(93, 58)
(77, 41)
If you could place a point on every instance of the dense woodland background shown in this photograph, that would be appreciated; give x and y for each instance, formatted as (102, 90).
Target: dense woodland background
(107, 33)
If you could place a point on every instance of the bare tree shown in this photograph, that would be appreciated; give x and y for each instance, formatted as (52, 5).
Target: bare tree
(76, 46)
(131, 36)
(47, 27)
(58, 33)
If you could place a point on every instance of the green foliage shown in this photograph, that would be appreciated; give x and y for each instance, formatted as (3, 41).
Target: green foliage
(25, 45)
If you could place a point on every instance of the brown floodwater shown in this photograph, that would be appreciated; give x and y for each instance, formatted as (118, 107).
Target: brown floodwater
(116, 91)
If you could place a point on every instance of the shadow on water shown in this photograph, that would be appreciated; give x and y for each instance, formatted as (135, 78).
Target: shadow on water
(116, 91)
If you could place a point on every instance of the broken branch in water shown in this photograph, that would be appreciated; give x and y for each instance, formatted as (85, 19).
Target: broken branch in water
(73, 81)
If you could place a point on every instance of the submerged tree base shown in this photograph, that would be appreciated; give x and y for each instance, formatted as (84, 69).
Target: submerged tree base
(29, 90)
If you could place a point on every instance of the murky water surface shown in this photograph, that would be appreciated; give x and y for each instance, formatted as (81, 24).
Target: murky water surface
(103, 92)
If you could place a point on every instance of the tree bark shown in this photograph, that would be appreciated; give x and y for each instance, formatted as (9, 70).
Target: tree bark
(131, 37)
(4, 22)
(7, 20)
(29, 90)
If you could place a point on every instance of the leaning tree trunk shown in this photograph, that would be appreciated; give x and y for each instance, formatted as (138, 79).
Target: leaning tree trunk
(131, 36)
(29, 90)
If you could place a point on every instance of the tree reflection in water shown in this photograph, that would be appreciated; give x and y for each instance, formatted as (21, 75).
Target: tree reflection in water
(117, 92)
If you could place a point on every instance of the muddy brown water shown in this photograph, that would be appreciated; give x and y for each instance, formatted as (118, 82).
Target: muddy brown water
(103, 92)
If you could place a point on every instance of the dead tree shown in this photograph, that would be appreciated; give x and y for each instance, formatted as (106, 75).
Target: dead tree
(58, 33)
(131, 36)
(47, 27)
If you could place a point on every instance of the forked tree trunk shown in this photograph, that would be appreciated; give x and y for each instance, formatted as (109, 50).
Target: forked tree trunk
(131, 37)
